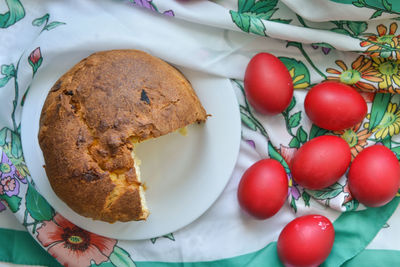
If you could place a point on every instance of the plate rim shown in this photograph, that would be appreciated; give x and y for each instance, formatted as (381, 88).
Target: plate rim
(235, 118)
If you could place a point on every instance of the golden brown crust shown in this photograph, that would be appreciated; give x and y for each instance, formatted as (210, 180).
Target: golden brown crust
(89, 118)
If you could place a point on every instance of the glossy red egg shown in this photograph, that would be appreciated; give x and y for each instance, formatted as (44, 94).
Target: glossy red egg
(268, 84)
(321, 162)
(335, 106)
(306, 241)
(263, 188)
(374, 176)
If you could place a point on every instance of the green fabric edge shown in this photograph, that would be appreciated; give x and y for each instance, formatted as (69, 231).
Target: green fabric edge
(354, 231)
(368, 257)
(266, 256)
(19, 247)
(376, 4)
(35, 255)
(375, 257)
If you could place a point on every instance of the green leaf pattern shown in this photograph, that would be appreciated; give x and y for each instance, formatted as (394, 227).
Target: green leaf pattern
(44, 20)
(121, 257)
(357, 27)
(13, 202)
(293, 204)
(294, 120)
(169, 236)
(3, 136)
(9, 72)
(248, 121)
(295, 142)
(326, 193)
(251, 13)
(378, 110)
(301, 135)
(316, 131)
(291, 105)
(299, 72)
(39, 21)
(53, 25)
(306, 198)
(37, 206)
(15, 13)
(380, 7)
(16, 146)
(274, 154)
(351, 205)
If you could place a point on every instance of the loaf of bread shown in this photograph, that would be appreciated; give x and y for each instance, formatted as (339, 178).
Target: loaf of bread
(91, 120)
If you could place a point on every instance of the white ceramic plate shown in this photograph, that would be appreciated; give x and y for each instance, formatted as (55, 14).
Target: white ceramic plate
(184, 175)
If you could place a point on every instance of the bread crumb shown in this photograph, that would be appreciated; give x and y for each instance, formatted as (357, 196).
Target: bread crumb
(183, 131)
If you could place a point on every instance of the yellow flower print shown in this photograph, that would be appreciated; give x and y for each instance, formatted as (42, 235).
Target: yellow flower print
(360, 69)
(356, 139)
(18, 162)
(385, 44)
(390, 123)
(296, 79)
(389, 71)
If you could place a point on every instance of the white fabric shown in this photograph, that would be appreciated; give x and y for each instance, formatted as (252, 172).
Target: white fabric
(202, 37)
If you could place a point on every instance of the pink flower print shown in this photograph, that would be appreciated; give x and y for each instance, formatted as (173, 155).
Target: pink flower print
(10, 186)
(73, 246)
(35, 59)
(35, 56)
(349, 196)
(287, 153)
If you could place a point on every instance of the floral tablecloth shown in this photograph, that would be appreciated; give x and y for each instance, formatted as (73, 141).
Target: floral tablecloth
(352, 41)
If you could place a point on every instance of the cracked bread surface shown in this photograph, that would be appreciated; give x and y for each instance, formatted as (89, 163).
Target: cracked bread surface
(91, 119)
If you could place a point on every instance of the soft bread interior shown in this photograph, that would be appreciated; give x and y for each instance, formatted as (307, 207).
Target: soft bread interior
(137, 163)
(183, 131)
(122, 185)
